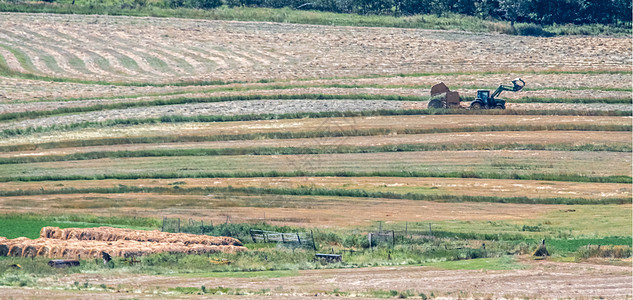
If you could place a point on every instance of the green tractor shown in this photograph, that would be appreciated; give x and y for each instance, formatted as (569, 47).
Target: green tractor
(486, 101)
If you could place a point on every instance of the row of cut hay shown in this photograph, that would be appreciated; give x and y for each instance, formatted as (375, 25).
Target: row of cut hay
(75, 249)
(121, 234)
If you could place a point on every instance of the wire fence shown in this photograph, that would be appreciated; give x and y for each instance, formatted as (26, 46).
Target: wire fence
(298, 238)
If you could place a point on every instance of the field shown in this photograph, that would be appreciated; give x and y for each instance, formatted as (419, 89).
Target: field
(323, 130)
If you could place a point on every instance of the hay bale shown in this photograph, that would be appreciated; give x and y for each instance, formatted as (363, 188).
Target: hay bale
(44, 250)
(118, 234)
(438, 89)
(15, 250)
(29, 251)
(4, 249)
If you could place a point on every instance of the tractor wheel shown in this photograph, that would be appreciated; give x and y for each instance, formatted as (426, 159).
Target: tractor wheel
(499, 106)
(476, 105)
(436, 103)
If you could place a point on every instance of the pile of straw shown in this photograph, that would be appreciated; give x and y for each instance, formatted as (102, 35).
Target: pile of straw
(75, 243)
(118, 234)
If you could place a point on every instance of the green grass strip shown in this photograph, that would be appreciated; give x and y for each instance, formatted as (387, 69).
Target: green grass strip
(302, 115)
(304, 134)
(312, 150)
(317, 192)
(185, 100)
(515, 176)
(29, 224)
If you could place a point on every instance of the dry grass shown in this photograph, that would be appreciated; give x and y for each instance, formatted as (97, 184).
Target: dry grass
(522, 162)
(403, 185)
(171, 50)
(316, 125)
(313, 211)
(481, 139)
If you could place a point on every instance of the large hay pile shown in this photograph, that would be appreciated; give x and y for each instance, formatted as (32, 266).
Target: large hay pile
(118, 234)
(73, 243)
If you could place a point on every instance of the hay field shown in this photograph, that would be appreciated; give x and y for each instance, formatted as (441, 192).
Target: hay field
(118, 98)
(317, 127)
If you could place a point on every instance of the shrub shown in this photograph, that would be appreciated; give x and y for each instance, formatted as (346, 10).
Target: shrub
(204, 4)
(530, 29)
(616, 251)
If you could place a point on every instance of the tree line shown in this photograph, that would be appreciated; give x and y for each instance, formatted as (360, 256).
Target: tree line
(544, 12)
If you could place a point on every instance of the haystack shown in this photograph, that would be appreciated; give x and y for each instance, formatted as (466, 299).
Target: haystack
(117, 234)
(74, 249)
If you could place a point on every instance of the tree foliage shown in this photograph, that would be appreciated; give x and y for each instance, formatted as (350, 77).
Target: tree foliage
(543, 12)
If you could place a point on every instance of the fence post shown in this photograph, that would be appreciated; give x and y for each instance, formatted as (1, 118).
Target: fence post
(369, 238)
(406, 228)
(227, 220)
(298, 238)
(313, 243)
(178, 224)
(202, 226)
(250, 231)
(162, 228)
(282, 238)
(393, 238)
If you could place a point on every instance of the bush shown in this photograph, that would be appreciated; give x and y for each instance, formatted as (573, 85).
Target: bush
(616, 251)
(530, 30)
(200, 4)
(204, 4)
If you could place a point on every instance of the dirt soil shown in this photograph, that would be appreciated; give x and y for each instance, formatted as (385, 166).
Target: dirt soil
(538, 280)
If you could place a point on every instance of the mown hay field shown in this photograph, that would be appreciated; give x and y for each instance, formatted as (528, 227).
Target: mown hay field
(138, 102)
(254, 125)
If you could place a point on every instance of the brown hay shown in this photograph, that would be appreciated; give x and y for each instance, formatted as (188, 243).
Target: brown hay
(73, 243)
(117, 234)
(73, 249)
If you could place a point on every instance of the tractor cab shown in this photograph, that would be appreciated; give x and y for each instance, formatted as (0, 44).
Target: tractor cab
(483, 95)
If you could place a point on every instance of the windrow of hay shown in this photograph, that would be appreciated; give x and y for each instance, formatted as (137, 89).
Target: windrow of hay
(121, 234)
(74, 249)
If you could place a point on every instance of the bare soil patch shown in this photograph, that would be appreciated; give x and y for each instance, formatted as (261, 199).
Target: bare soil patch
(540, 280)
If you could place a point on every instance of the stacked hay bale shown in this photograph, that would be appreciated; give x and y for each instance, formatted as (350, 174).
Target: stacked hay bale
(72, 243)
(117, 234)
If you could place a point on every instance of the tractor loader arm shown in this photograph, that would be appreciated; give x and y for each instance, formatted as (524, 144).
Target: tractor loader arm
(517, 85)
